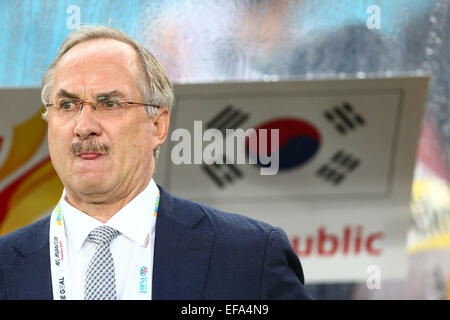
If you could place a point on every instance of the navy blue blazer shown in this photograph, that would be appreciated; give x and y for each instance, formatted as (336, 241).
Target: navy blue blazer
(200, 253)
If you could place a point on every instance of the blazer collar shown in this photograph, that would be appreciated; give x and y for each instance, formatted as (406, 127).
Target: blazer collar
(32, 264)
(34, 241)
(183, 243)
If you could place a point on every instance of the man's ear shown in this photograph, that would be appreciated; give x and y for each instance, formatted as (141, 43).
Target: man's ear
(161, 122)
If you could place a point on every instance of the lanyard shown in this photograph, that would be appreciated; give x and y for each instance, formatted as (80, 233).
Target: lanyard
(58, 257)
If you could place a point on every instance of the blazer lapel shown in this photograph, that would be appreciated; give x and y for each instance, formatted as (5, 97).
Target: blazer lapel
(29, 277)
(182, 250)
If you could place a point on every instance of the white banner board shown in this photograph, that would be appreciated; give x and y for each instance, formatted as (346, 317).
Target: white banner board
(347, 150)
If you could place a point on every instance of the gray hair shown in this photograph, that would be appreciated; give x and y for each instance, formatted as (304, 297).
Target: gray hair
(155, 85)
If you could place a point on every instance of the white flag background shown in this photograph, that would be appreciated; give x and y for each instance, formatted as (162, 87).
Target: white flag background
(347, 154)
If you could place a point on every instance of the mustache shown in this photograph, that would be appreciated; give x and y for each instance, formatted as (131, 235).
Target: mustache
(89, 146)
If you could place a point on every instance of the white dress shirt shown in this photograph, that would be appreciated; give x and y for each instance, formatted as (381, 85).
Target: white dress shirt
(132, 249)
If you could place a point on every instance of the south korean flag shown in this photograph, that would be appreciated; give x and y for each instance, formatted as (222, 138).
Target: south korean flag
(331, 139)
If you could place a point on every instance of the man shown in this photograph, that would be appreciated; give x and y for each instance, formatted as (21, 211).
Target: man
(115, 234)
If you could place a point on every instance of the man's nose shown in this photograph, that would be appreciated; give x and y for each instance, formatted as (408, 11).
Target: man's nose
(87, 122)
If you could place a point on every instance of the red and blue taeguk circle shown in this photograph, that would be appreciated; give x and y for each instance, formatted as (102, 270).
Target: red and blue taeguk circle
(299, 141)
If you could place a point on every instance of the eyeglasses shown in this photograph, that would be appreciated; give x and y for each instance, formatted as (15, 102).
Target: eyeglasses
(105, 108)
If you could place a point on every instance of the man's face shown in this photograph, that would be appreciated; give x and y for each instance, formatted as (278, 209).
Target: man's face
(101, 158)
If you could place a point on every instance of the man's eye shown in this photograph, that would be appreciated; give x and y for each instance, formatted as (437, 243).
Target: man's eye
(68, 105)
(111, 104)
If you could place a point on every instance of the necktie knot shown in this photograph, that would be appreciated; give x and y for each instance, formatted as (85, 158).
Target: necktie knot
(103, 234)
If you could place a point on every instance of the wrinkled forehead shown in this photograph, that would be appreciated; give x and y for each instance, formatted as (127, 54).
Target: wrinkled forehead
(99, 65)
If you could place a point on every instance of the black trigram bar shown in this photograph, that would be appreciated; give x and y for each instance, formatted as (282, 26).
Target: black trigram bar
(344, 118)
(222, 174)
(229, 118)
(330, 174)
(340, 164)
(346, 161)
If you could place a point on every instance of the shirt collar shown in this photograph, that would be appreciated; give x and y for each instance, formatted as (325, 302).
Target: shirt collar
(135, 220)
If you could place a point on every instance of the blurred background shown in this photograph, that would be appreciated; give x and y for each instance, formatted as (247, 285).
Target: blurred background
(204, 41)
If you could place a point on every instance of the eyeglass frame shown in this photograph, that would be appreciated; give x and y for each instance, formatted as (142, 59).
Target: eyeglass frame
(82, 102)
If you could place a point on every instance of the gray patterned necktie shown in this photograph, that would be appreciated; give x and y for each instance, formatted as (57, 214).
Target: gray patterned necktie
(100, 282)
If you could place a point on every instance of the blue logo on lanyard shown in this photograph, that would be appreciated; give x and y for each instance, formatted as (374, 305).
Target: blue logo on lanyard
(143, 279)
